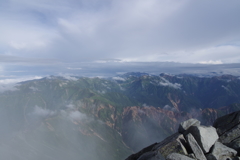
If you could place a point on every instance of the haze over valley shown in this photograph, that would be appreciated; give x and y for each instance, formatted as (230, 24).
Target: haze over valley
(106, 118)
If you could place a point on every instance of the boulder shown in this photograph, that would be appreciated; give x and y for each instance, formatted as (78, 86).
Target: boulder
(177, 156)
(235, 144)
(227, 122)
(205, 136)
(230, 135)
(222, 158)
(188, 123)
(228, 127)
(221, 152)
(195, 147)
(198, 142)
(192, 155)
(175, 143)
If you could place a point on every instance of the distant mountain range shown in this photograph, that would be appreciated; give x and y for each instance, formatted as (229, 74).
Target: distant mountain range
(96, 118)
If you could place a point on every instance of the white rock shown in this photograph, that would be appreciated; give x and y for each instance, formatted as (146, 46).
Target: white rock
(188, 123)
(195, 147)
(205, 136)
(221, 151)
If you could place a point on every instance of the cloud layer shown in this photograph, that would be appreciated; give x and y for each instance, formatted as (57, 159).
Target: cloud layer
(44, 33)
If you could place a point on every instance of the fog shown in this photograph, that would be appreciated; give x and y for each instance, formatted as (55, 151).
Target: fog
(60, 132)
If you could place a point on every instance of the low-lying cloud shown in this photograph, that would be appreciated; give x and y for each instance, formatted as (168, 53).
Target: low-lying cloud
(7, 87)
(42, 112)
(77, 116)
(169, 108)
(169, 84)
(118, 78)
(68, 77)
(73, 114)
(11, 84)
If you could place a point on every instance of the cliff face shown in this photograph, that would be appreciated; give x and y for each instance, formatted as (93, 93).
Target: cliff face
(194, 141)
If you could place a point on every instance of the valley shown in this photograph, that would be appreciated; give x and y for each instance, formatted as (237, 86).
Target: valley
(106, 118)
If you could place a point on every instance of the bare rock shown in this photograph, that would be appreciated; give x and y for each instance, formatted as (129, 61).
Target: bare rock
(205, 136)
(228, 127)
(221, 152)
(177, 156)
(195, 147)
(151, 156)
(235, 144)
(198, 142)
(227, 122)
(188, 123)
(175, 143)
(192, 155)
(230, 135)
(141, 152)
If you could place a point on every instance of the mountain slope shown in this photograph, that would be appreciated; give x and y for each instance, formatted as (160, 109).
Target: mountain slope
(95, 118)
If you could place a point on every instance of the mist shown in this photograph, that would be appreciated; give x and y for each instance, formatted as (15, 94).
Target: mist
(53, 131)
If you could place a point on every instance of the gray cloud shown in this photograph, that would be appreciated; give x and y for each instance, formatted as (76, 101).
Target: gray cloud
(73, 31)
(101, 38)
(26, 61)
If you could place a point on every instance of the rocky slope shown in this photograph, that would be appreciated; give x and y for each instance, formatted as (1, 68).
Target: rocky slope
(194, 141)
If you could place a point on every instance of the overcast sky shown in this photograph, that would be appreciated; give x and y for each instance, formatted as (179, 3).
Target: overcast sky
(57, 36)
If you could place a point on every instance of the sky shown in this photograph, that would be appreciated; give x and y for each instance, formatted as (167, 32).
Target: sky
(42, 37)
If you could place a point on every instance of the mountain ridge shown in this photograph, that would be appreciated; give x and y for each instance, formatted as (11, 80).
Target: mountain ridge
(133, 109)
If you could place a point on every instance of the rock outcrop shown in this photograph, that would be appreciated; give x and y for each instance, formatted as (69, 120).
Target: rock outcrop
(205, 136)
(197, 142)
(197, 151)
